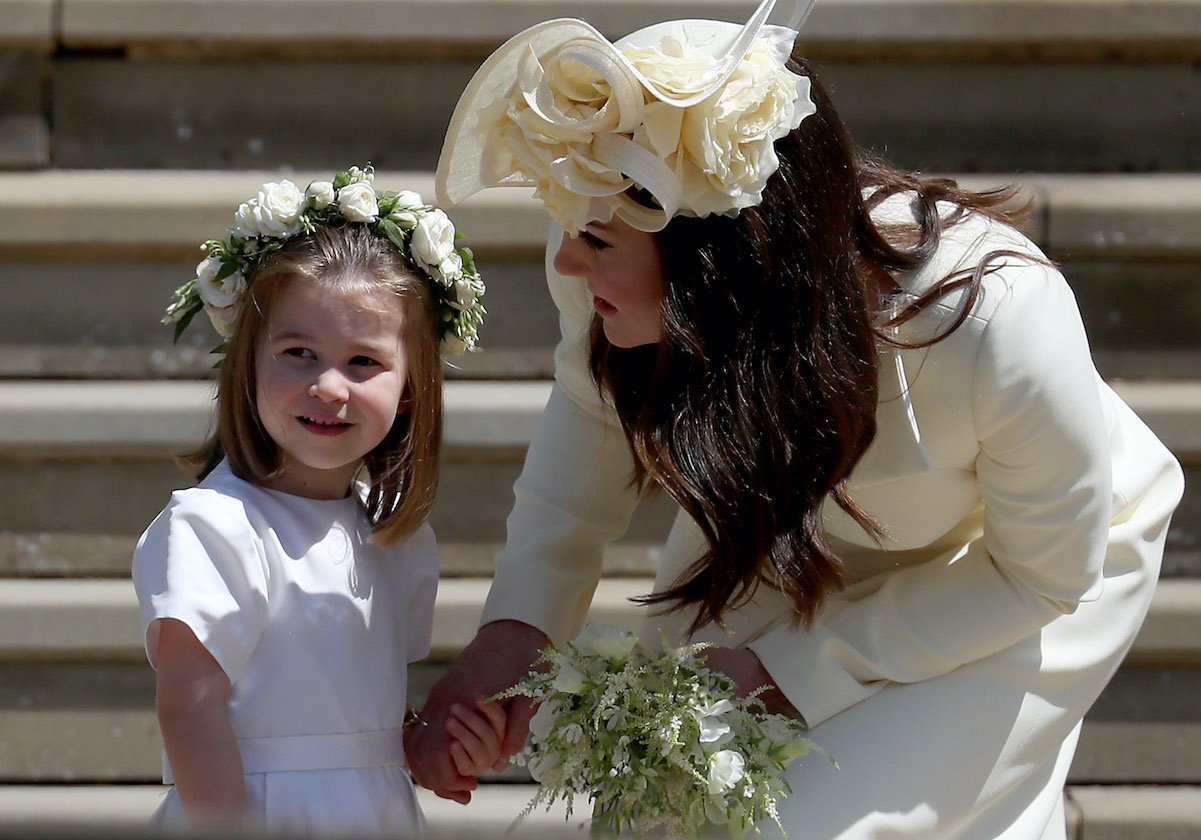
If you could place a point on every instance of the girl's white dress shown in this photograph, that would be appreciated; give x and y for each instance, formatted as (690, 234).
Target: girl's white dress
(315, 628)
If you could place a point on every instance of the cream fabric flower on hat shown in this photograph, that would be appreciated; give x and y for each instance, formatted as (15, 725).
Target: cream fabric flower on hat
(686, 112)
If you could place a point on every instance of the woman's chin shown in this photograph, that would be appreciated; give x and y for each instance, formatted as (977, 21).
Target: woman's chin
(627, 339)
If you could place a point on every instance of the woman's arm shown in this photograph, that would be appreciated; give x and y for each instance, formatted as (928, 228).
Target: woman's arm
(190, 700)
(574, 496)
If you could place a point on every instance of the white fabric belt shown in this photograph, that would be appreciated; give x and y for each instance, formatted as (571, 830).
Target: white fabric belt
(322, 752)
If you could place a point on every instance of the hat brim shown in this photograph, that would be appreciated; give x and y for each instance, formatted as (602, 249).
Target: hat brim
(460, 164)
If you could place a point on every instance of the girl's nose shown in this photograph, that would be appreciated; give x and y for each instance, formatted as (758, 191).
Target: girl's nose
(330, 386)
(569, 260)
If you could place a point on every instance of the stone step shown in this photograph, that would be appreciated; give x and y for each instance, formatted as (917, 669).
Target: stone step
(1007, 84)
(76, 695)
(1129, 244)
(1096, 812)
(1086, 28)
(996, 113)
(97, 620)
(65, 445)
(63, 811)
(27, 25)
(94, 721)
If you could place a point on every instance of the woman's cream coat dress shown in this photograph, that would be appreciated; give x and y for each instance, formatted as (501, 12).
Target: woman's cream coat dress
(1025, 507)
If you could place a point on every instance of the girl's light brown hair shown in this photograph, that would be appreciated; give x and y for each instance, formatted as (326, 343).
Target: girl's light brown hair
(402, 471)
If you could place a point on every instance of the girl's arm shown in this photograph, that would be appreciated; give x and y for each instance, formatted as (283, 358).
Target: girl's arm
(190, 700)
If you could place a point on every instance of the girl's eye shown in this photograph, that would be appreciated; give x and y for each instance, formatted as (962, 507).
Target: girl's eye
(364, 361)
(592, 241)
(300, 353)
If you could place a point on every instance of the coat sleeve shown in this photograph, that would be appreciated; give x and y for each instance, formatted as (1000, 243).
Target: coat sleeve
(1044, 473)
(574, 495)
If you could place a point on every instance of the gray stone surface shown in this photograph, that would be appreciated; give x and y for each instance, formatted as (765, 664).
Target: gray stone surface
(933, 116)
(94, 721)
(1139, 813)
(1140, 316)
(24, 142)
(982, 22)
(24, 136)
(27, 25)
(1116, 214)
(144, 215)
(1145, 727)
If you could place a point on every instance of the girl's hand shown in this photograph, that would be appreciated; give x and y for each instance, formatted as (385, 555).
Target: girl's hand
(478, 736)
(496, 659)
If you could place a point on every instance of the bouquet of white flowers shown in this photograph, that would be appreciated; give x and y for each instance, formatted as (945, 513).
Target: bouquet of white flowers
(655, 740)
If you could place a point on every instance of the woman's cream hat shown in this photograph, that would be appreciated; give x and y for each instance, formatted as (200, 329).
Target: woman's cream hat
(683, 112)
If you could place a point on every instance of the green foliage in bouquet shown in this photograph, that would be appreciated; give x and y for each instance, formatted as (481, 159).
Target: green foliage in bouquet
(657, 741)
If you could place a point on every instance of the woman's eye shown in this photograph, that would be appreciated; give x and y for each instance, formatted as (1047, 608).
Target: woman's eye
(592, 241)
(300, 353)
(364, 361)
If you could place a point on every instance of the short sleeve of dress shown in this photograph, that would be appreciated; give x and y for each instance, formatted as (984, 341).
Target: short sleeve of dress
(421, 559)
(201, 563)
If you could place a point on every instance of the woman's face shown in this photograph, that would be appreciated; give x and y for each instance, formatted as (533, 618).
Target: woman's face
(624, 272)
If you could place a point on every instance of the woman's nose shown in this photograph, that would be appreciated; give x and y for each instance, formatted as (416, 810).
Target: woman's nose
(569, 259)
(330, 386)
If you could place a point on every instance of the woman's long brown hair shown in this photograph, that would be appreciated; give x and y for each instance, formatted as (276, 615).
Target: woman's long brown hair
(760, 397)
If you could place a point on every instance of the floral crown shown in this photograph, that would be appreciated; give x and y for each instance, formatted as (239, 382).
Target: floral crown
(280, 212)
(684, 112)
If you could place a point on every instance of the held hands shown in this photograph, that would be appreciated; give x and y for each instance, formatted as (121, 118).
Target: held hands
(496, 659)
(478, 734)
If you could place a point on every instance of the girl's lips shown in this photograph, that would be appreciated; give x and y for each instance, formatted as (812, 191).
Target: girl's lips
(327, 428)
(603, 307)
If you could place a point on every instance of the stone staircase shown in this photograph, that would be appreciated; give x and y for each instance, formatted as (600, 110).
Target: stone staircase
(129, 129)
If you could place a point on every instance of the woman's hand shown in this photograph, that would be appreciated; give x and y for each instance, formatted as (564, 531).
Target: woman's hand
(498, 657)
(744, 668)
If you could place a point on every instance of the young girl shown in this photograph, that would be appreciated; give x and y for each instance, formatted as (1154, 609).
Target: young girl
(281, 600)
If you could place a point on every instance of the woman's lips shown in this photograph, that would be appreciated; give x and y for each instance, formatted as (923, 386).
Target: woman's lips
(603, 307)
(325, 427)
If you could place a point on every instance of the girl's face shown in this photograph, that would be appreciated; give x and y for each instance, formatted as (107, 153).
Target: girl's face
(331, 376)
(624, 273)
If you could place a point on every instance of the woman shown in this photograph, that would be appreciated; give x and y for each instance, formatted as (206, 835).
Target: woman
(909, 505)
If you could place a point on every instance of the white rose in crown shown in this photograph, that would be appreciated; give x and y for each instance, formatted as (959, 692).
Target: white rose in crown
(217, 293)
(274, 211)
(357, 202)
(222, 319)
(321, 193)
(409, 199)
(408, 205)
(465, 294)
(433, 238)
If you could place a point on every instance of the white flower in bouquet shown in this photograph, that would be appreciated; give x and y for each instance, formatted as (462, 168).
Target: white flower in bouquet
(655, 740)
